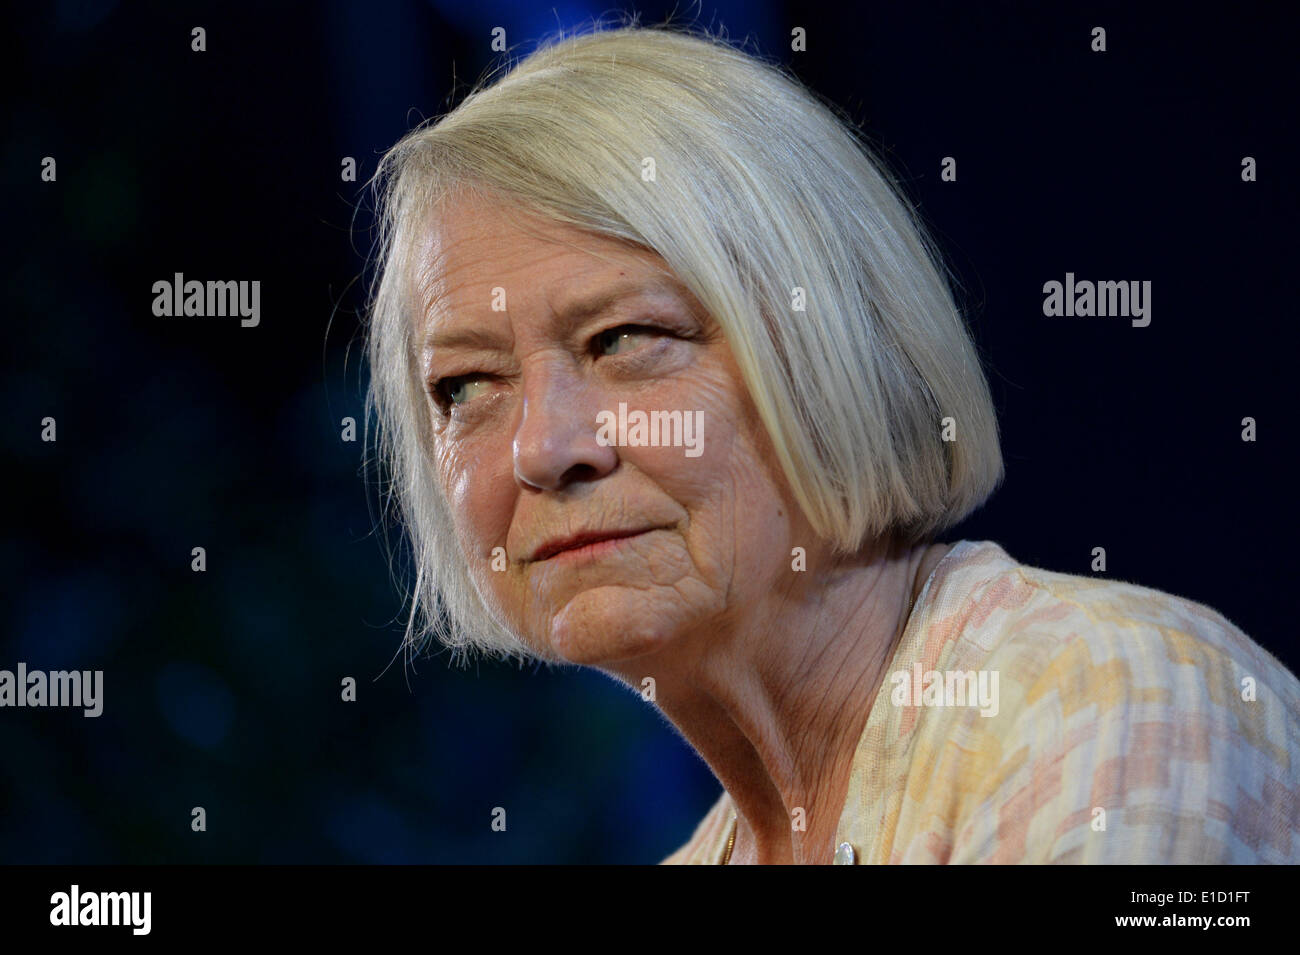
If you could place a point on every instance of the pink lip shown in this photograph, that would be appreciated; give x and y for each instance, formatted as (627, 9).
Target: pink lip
(582, 546)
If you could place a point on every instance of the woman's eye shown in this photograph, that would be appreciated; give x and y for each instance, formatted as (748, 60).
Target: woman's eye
(621, 339)
(459, 389)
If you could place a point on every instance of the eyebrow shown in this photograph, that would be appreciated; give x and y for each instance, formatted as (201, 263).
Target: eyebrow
(476, 337)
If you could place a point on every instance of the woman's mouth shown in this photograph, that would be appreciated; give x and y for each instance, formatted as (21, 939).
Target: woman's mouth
(586, 545)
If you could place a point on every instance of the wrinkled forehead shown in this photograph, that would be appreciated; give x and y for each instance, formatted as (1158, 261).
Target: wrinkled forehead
(468, 254)
(455, 244)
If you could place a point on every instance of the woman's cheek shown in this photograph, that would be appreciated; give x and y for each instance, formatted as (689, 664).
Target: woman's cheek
(479, 489)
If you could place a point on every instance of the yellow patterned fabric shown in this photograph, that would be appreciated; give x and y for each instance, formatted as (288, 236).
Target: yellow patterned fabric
(1131, 726)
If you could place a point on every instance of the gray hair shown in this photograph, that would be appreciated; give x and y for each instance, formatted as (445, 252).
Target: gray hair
(759, 191)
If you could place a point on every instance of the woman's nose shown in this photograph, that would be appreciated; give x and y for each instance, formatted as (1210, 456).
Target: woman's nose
(555, 442)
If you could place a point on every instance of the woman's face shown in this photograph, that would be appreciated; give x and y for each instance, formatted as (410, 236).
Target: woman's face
(529, 342)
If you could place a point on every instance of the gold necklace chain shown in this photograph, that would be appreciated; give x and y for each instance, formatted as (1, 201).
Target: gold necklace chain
(731, 841)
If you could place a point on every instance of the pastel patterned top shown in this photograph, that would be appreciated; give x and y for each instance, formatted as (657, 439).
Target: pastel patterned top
(1029, 716)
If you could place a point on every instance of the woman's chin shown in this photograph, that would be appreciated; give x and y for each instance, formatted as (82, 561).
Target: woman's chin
(607, 624)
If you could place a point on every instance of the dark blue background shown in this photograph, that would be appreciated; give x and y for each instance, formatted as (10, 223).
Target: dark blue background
(222, 688)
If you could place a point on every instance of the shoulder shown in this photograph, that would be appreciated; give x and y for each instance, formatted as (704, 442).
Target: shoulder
(707, 843)
(1106, 644)
(1072, 634)
(1131, 725)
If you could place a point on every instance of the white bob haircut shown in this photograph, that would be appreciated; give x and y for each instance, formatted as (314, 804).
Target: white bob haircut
(773, 212)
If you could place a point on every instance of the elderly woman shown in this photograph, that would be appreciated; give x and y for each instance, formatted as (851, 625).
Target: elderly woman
(671, 384)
